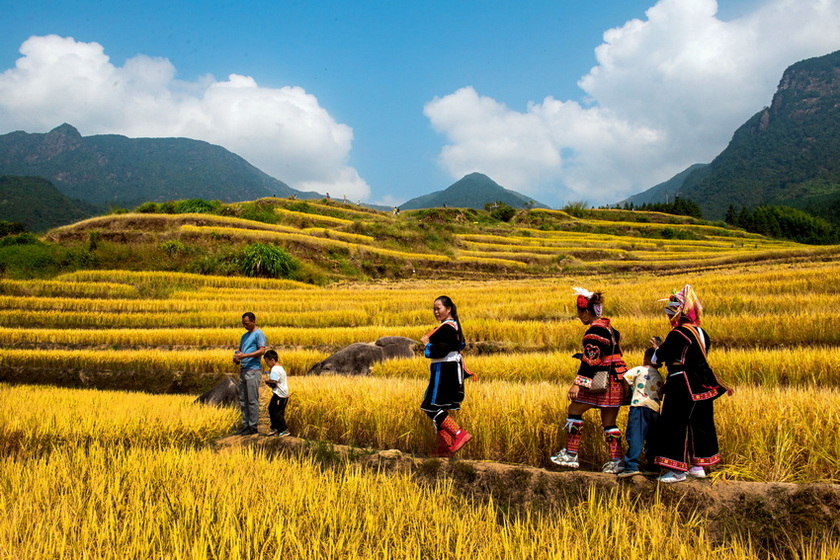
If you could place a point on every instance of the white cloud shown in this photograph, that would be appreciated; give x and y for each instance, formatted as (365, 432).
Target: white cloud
(284, 132)
(668, 91)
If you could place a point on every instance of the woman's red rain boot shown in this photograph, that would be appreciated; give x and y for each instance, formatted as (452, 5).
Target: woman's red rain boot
(459, 436)
(444, 441)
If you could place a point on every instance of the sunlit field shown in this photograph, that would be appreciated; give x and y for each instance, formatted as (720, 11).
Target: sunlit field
(104, 454)
(107, 475)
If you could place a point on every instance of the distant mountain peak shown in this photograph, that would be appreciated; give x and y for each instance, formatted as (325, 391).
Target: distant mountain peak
(64, 138)
(65, 129)
(473, 190)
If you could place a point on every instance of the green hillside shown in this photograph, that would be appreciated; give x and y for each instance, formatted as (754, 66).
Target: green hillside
(113, 170)
(786, 154)
(37, 204)
(324, 241)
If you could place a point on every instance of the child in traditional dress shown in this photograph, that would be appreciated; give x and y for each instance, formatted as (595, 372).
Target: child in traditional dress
(601, 355)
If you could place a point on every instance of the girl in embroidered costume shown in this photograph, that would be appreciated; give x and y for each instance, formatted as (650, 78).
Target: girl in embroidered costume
(686, 441)
(446, 382)
(601, 352)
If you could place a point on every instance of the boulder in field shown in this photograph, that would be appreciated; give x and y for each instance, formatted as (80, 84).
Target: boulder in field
(225, 393)
(357, 358)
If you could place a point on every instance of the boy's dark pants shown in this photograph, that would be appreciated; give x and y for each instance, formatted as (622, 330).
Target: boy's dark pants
(277, 412)
(641, 423)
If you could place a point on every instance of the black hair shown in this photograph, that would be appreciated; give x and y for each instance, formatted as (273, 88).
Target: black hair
(270, 355)
(453, 311)
(250, 315)
(649, 353)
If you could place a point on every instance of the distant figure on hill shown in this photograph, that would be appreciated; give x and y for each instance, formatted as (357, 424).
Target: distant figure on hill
(327, 197)
(252, 346)
(599, 383)
(279, 395)
(446, 382)
(686, 439)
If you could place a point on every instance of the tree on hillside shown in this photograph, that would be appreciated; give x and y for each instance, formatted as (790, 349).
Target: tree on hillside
(783, 222)
(679, 207)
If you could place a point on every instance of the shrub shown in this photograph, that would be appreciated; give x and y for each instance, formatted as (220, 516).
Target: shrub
(259, 213)
(147, 208)
(500, 211)
(198, 206)
(173, 248)
(11, 228)
(576, 209)
(261, 259)
(24, 238)
(94, 237)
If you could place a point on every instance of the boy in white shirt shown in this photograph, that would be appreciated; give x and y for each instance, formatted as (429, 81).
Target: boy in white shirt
(279, 395)
(646, 383)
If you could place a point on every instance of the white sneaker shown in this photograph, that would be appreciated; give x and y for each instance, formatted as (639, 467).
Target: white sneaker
(696, 472)
(565, 459)
(672, 476)
(613, 466)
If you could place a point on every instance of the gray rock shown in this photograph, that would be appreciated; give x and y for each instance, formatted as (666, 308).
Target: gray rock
(357, 358)
(225, 393)
(397, 347)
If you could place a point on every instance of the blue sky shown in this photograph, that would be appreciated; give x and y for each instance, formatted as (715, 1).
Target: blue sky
(383, 101)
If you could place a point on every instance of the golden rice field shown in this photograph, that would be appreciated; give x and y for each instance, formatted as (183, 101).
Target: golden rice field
(111, 473)
(106, 475)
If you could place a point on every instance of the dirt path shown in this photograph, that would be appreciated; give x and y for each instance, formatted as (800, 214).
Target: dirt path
(770, 512)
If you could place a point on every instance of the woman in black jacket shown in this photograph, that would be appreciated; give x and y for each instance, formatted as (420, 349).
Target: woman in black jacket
(686, 439)
(446, 381)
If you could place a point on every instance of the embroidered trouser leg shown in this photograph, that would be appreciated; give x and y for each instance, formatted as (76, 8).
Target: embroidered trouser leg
(574, 431)
(612, 435)
(686, 432)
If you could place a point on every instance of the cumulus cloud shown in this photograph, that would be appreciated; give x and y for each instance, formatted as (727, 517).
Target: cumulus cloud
(668, 91)
(283, 131)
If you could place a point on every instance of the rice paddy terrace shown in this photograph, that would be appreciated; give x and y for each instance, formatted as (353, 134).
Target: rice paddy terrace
(158, 312)
(339, 241)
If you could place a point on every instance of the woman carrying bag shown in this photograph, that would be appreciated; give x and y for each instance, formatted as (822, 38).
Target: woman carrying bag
(599, 384)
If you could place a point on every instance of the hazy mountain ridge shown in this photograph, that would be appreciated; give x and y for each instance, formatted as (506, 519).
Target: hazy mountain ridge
(120, 171)
(664, 191)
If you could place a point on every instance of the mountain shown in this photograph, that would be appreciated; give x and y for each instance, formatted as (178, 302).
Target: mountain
(786, 154)
(36, 203)
(663, 192)
(472, 191)
(111, 170)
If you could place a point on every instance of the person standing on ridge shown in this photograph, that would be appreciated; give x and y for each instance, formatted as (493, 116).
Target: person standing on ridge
(252, 346)
(446, 382)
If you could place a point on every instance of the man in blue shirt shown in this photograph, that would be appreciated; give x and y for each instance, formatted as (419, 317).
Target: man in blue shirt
(251, 348)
